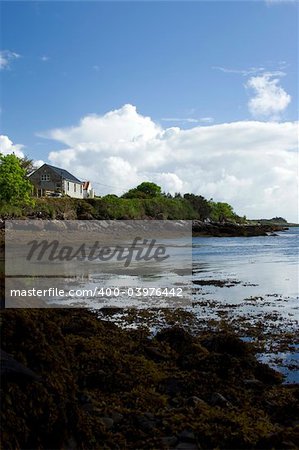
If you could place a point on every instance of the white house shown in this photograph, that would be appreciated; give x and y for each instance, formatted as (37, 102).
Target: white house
(88, 191)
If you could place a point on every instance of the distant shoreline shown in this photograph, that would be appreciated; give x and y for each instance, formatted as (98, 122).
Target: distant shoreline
(229, 229)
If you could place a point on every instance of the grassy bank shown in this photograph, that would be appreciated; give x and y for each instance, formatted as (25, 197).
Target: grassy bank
(109, 207)
(146, 202)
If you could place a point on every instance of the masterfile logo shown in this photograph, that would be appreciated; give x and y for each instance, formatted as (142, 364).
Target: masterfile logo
(122, 259)
(139, 250)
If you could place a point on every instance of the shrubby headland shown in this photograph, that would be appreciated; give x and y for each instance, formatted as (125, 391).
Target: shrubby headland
(146, 201)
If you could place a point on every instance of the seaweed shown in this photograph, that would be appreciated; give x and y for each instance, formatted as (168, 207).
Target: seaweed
(99, 386)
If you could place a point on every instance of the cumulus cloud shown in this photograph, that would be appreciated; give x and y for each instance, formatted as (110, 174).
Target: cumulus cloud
(6, 58)
(7, 147)
(269, 99)
(250, 164)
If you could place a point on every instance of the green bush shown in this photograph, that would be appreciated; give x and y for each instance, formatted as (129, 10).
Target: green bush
(10, 211)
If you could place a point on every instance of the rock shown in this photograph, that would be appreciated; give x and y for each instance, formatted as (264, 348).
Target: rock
(226, 343)
(117, 417)
(289, 445)
(69, 215)
(219, 400)
(95, 378)
(55, 225)
(146, 422)
(12, 370)
(187, 446)
(232, 229)
(195, 401)
(268, 375)
(176, 337)
(155, 354)
(187, 436)
(85, 216)
(169, 441)
(192, 357)
(36, 225)
(71, 224)
(218, 283)
(253, 383)
(175, 402)
(71, 443)
(108, 422)
(110, 310)
(171, 386)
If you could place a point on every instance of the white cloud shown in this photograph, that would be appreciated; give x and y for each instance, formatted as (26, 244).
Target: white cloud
(279, 2)
(250, 164)
(45, 58)
(244, 72)
(7, 147)
(188, 119)
(171, 180)
(206, 119)
(269, 99)
(38, 163)
(6, 58)
(178, 119)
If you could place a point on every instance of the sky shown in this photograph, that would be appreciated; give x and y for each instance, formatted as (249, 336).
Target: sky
(196, 96)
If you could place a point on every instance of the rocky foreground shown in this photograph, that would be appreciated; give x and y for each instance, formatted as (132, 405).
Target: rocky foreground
(72, 381)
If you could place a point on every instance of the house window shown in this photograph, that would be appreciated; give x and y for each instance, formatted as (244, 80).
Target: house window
(68, 186)
(45, 177)
(81, 189)
(75, 187)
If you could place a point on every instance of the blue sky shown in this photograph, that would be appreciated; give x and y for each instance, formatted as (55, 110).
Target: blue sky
(183, 64)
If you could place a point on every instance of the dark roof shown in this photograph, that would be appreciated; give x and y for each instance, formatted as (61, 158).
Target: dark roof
(64, 173)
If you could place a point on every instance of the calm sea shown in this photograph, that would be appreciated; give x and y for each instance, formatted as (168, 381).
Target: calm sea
(262, 299)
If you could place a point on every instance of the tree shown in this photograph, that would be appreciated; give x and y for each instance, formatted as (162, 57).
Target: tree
(200, 204)
(15, 188)
(144, 190)
(27, 164)
(220, 212)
